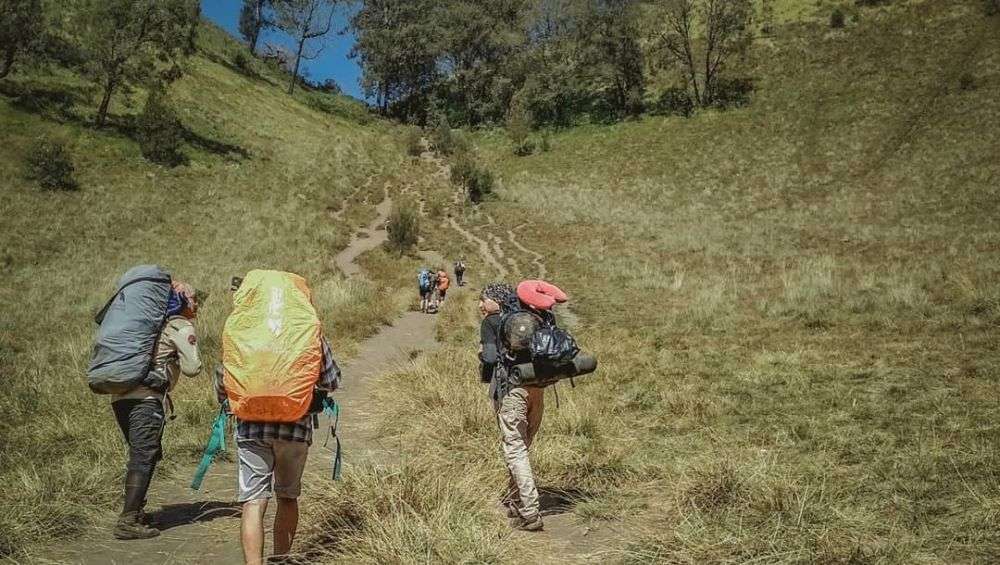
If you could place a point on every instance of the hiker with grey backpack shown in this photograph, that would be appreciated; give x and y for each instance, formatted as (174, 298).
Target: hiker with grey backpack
(522, 351)
(145, 341)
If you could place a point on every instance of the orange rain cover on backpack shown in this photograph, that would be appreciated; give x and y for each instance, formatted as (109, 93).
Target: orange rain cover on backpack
(271, 352)
(443, 281)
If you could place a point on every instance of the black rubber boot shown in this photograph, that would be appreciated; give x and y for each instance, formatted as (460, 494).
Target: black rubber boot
(130, 524)
(143, 518)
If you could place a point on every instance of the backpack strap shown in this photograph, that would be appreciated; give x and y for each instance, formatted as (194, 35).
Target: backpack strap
(332, 409)
(216, 443)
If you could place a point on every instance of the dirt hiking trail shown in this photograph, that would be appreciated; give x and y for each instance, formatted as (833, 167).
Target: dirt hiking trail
(203, 526)
(564, 539)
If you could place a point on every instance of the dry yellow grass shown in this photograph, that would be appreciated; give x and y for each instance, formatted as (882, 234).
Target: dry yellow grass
(794, 305)
(258, 193)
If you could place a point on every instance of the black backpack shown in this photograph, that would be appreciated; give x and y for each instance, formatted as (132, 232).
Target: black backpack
(526, 333)
(552, 344)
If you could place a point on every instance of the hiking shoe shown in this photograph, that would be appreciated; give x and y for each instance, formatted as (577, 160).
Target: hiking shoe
(129, 527)
(533, 524)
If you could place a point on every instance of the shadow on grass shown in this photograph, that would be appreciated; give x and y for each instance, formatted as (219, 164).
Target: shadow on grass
(60, 104)
(174, 515)
(329, 540)
(213, 146)
(49, 101)
(249, 73)
(554, 501)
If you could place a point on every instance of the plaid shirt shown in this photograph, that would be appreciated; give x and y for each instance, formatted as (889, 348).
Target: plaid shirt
(329, 380)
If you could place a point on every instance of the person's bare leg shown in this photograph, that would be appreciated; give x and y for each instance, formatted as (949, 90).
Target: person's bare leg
(252, 531)
(286, 522)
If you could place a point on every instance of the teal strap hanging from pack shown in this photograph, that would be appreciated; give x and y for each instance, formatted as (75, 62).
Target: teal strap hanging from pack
(216, 443)
(332, 409)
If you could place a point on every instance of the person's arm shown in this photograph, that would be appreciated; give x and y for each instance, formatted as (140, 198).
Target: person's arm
(489, 348)
(220, 389)
(186, 343)
(329, 375)
(489, 351)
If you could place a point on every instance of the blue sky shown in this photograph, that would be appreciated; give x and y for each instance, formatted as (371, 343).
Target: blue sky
(332, 63)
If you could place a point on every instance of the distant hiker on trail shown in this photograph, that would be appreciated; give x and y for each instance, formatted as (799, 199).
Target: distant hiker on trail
(277, 371)
(460, 272)
(443, 283)
(518, 409)
(146, 340)
(425, 286)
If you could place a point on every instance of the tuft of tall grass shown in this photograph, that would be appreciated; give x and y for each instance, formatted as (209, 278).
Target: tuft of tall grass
(403, 227)
(407, 514)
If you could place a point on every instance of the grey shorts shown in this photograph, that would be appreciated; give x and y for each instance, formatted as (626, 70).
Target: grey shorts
(270, 465)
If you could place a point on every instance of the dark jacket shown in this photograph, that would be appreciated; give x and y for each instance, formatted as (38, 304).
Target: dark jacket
(494, 362)
(489, 339)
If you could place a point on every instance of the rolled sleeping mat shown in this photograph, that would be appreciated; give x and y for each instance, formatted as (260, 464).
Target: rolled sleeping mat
(542, 374)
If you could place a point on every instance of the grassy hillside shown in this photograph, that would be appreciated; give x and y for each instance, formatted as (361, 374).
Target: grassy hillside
(795, 305)
(265, 172)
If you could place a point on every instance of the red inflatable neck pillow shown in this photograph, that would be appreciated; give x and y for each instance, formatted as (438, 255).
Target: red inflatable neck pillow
(540, 295)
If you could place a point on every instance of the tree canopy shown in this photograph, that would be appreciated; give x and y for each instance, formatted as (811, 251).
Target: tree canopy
(561, 59)
(128, 42)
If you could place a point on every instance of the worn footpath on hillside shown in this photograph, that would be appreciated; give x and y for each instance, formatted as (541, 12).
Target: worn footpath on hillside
(565, 539)
(203, 526)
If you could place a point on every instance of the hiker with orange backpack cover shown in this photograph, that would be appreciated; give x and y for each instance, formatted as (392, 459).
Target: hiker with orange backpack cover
(277, 370)
(443, 284)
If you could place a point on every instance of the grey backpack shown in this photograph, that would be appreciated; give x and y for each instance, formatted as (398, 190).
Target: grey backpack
(130, 325)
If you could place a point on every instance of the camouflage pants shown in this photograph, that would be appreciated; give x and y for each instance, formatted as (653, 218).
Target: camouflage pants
(519, 415)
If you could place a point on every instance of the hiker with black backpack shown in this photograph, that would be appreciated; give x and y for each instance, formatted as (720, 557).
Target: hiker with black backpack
(146, 340)
(518, 409)
(460, 272)
(277, 371)
(522, 350)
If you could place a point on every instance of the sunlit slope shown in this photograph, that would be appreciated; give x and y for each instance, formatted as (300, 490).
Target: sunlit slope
(265, 170)
(796, 302)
